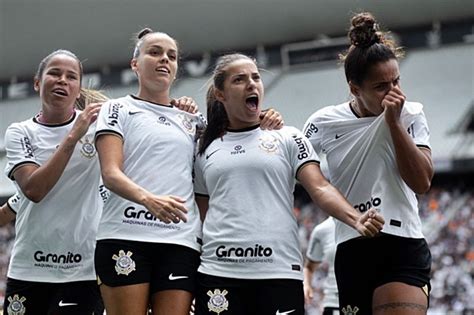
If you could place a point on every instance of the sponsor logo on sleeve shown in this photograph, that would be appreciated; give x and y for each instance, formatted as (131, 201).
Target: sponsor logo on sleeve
(310, 130)
(302, 148)
(113, 114)
(27, 148)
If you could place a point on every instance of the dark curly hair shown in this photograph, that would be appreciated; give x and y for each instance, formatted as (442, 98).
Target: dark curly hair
(369, 46)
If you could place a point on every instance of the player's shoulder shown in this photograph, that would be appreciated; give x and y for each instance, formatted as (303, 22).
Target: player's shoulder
(412, 108)
(21, 126)
(330, 112)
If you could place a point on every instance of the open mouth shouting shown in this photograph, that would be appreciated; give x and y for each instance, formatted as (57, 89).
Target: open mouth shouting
(252, 102)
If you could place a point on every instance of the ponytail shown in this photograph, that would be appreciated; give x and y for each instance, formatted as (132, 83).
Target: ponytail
(217, 120)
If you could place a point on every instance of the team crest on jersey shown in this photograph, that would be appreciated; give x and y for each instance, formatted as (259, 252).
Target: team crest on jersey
(217, 302)
(16, 306)
(187, 123)
(88, 149)
(125, 264)
(349, 310)
(268, 144)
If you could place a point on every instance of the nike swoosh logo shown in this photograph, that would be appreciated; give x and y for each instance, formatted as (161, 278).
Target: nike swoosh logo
(62, 304)
(209, 155)
(283, 313)
(133, 113)
(171, 277)
(338, 136)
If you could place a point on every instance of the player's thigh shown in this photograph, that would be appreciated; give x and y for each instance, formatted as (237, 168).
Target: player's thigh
(397, 298)
(126, 300)
(171, 302)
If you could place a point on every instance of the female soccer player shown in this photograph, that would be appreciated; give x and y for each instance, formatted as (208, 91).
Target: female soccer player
(53, 162)
(378, 153)
(251, 261)
(150, 232)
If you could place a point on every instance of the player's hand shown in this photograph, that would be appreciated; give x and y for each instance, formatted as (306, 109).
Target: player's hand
(167, 208)
(392, 104)
(186, 104)
(84, 120)
(271, 119)
(308, 293)
(370, 223)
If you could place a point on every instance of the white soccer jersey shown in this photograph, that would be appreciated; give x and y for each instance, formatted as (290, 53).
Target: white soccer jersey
(55, 238)
(14, 202)
(158, 149)
(322, 248)
(362, 164)
(250, 231)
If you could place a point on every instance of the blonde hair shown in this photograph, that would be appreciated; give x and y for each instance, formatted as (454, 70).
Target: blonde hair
(88, 96)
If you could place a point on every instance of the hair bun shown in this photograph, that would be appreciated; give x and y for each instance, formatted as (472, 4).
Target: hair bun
(364, 31)
(143, 32)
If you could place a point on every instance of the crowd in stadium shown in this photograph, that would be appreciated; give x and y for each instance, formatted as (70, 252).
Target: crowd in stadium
(452, 249)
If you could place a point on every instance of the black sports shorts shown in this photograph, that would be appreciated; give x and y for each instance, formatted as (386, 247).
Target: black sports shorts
(250, 297)
(69, 298)
(164, 266)
(364, 264)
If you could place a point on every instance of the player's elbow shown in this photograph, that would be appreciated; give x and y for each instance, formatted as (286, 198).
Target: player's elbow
(34, 195)
(421, 187)
(108, 177)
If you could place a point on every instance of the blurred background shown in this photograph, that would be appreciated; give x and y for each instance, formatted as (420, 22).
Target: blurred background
(296, 43)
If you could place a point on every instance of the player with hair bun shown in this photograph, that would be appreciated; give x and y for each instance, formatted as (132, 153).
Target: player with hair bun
(378, 152)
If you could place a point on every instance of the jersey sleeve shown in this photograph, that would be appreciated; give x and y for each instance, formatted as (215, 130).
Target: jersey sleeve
(19, 149)
(200, 187)
(312, 132)
(111, 119)
(14, 202)
(419, 131)
(300, 150)
(315, 251)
